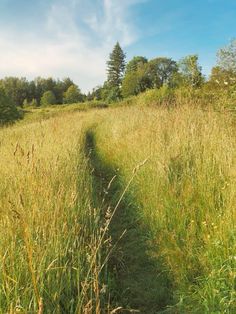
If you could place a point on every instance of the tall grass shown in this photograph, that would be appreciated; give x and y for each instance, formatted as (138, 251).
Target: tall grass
(50, 237)
(186, 193)
(53, 242)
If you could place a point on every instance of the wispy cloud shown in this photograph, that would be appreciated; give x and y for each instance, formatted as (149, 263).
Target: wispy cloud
(73, 39)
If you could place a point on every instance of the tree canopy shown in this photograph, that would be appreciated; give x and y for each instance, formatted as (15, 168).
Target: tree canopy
(135, 63)
(162, 70)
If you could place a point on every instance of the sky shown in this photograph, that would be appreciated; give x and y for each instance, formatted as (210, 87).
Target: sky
(61, 38)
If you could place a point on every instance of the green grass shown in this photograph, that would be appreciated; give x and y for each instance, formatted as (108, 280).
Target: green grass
(131, 207)
(137, 280)
(49, 234)
(32, 114)
(185, 195)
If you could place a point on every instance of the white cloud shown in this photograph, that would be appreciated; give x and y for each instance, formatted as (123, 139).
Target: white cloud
(74, 40)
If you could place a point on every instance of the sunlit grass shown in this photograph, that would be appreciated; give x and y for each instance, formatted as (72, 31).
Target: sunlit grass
(52, 237)
(187, 194)
(49, 228)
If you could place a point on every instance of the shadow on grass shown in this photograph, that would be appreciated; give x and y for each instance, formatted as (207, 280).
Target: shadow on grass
(137, 281)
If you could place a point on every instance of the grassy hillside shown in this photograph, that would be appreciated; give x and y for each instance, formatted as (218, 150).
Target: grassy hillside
(109, 211)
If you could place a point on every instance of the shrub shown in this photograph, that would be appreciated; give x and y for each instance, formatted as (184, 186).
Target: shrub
(161, 96)
(48, 99)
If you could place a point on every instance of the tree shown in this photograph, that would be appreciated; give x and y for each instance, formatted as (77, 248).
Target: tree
(116, 66)
(227, 57)
(16, 89)
(191, 71)
(61, 87)
(48, 99)
(135, 63)
(72, 95)
(8, 110)
(130, 84)
(161, 71)
(136, 81)
(31, 91)
(43, 85)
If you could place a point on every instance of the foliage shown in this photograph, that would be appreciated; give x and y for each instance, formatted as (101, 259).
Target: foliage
(130, 84)
(112, 94)
(58, 87)
(96, 94)
(161, 71)
(221, 79)
(8, 111)
(142, 75)
(116, 66)
(72, 95)
(136, 81)
(19, 89)
(163, 96)
(48, 99)
(15, 88)
(190, 71)
(135, 63)
(227, 57)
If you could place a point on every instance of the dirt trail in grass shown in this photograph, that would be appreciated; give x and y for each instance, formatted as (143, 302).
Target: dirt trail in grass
(137, 281)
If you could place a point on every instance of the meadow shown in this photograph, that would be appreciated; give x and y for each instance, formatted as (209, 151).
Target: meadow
(185, 197)
(122, 209)
(50, 236)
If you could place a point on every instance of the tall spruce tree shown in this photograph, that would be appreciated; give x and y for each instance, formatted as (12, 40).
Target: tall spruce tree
(116, 67)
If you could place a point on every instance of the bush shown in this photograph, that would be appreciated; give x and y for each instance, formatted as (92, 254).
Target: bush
(48, 99)
(160, 96)
(8, 111)
(72, 95)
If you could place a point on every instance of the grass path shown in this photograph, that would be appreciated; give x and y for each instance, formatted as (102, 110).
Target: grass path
(138, 282)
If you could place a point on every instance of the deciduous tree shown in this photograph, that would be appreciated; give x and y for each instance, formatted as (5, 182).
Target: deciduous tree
(191, 71)
(72, 95)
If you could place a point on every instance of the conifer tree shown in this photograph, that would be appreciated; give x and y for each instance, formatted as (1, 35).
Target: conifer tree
(116, 67)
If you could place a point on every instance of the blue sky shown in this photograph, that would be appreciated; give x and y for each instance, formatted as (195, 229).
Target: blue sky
(73, 38)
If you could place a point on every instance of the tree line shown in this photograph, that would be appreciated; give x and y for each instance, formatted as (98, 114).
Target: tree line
(140, 74)
(123, 80)
(23, 92)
